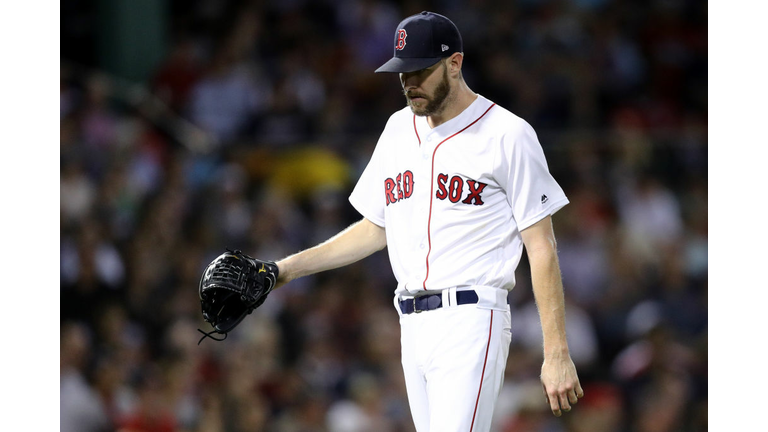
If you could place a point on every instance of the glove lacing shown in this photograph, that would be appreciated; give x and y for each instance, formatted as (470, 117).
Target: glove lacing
(208, 335)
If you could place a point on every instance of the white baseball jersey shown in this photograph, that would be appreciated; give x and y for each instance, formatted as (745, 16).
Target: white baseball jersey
(454, 199)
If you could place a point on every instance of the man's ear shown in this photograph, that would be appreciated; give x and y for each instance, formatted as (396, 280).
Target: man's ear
(454, 63)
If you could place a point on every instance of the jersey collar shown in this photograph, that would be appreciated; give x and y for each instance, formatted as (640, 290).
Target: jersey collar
(470, 113)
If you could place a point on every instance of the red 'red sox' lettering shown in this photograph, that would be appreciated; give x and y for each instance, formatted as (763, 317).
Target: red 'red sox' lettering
(453, 189)
(442, 192)
(400, 188)
(407, 184)
(475, 188)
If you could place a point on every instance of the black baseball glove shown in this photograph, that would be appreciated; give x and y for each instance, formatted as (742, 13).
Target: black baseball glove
(232, 286)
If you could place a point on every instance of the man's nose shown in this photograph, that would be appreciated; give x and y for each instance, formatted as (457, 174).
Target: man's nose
(410, 81)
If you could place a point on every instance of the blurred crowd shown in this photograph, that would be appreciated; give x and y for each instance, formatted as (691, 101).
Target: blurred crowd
(285, 96)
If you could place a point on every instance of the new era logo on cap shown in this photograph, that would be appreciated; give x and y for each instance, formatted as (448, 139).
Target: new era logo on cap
(431, 37)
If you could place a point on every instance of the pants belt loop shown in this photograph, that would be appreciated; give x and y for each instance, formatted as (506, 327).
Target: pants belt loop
(446, 294)
(453, 296)
(396, 302)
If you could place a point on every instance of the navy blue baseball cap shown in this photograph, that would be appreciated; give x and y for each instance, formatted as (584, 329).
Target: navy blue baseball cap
(421, 40)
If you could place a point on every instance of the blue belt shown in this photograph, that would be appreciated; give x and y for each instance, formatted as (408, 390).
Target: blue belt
(434, 301)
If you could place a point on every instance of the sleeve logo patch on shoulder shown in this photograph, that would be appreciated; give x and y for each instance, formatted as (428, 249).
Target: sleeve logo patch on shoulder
(544, 199)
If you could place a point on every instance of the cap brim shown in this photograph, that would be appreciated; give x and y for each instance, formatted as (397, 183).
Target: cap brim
(404, 65)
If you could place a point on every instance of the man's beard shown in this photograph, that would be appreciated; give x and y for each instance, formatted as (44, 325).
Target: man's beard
(436, 104)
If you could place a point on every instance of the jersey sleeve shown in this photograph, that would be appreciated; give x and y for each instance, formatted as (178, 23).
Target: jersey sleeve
(367, 197)
(521, 169)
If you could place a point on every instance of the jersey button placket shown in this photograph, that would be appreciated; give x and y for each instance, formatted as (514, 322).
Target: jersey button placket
(425, 245)
(428, 148)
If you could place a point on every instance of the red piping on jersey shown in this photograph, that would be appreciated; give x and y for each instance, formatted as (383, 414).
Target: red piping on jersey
(487, 347)
(416, 130)
(432, 186)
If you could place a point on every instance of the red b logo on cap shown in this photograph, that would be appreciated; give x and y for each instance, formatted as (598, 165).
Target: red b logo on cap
(401, 34)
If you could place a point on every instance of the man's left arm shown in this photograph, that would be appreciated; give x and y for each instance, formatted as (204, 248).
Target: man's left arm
(558, 373)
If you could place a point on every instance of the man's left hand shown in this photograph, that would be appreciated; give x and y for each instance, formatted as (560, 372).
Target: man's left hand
(561, 384)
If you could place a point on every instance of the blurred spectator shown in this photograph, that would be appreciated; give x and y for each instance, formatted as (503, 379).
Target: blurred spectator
(284, 124)
(98, 120)
(81, 407)
(92, 272)
(232, 91)
(367, 26)
(233, 212)
(177, 76)
(152, 412)
(522, 407)
(583, 231)
(652, 219)
(111, 376)
(656, 371)
(364, 411)
(78, 192)
(69, 95)
(581, 335)
(600, 410)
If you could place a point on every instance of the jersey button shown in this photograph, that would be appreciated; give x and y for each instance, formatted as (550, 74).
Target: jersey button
(421, 245)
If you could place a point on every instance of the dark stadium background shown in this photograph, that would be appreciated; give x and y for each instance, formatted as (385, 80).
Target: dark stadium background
(190, 126)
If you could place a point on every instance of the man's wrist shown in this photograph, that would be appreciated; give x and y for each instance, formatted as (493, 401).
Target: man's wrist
(556, 353)
(283, 271)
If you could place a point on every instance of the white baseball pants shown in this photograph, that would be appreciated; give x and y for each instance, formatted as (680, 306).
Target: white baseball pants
(454, 360)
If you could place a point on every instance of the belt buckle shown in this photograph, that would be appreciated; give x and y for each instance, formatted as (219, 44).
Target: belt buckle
(415, 309)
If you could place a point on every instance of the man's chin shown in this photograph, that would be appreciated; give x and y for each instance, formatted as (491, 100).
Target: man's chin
(420, 110)
(422, 107)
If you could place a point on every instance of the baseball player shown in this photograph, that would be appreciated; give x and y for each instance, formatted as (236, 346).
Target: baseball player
(456, 186)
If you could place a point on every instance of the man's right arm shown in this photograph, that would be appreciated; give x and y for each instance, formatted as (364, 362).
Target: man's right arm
(353, 244)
